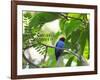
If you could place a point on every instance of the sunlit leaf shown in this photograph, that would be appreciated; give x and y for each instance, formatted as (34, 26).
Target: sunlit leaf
(74, 15)
(42, 18)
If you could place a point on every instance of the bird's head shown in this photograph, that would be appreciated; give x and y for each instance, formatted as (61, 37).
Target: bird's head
(62, 39)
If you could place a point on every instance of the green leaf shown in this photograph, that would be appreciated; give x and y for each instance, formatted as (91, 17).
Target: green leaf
(70, 61)
(75, 15)
(86, 52)
(62, 23)
(82, 41)
(42, 18)
(79, 63)
(28, 15)
(75, 36)
(71, 26)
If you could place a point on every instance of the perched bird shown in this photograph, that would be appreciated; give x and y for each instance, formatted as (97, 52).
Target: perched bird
(59, 44)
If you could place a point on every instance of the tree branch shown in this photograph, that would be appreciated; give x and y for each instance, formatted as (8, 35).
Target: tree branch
(80, 58)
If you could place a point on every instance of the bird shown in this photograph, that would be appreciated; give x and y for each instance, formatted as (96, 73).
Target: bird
(60, 44)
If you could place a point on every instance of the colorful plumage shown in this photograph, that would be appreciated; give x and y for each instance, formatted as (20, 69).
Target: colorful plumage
(59, 44)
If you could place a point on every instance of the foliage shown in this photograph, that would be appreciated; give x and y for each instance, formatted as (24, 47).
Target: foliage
(74, 26)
